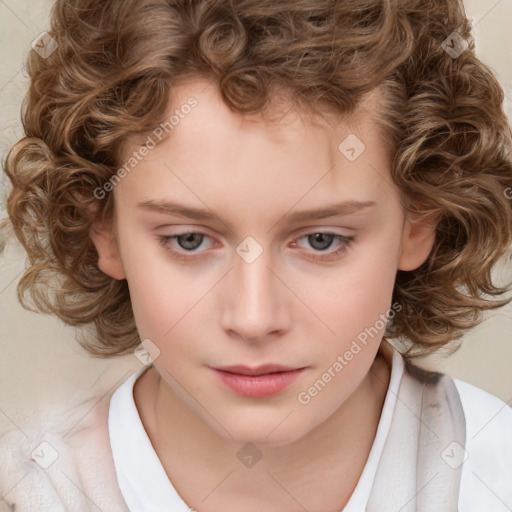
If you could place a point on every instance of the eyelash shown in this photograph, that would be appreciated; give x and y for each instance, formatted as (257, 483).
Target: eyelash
(346, 243)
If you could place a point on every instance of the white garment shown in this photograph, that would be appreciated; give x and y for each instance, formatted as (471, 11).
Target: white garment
(106, 460)
(486, 483)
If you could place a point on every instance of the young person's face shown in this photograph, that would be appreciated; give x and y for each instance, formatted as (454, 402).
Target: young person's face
(253, 286)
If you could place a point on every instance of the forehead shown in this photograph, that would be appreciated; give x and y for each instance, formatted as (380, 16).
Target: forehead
(213, 154)
(281, 118)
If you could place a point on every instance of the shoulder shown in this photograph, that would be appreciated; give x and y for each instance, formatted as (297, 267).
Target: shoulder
(61, 460)
(487, 470)
(485, 412)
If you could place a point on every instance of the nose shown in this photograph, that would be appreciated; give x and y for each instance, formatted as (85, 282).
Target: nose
(256, 300)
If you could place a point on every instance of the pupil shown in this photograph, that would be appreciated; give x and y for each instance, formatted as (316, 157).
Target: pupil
(189, 240)
(318, 237)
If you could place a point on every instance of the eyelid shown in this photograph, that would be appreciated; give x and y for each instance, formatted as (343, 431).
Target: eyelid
(324, 229)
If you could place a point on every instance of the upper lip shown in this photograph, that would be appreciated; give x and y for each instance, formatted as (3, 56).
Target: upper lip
(258, 370)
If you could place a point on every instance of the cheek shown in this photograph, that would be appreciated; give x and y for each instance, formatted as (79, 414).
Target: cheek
(170, 304)
(168, 317)
(354, 306)
(165, 304)
(158, 291)
(352, 298)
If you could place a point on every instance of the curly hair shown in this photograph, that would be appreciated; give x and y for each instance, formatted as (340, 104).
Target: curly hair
(110, 78)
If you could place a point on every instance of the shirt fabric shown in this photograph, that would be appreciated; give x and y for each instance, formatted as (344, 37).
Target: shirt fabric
(486, 482)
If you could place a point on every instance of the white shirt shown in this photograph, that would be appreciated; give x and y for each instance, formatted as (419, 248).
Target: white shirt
(486, 482)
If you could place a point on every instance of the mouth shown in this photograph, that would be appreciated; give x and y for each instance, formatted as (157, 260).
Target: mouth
(258, 382)
(259, 370)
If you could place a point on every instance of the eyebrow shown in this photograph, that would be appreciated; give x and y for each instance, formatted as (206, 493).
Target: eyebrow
(337, 209)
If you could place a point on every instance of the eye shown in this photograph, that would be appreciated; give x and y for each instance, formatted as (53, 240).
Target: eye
(189, 243)
(320, 241)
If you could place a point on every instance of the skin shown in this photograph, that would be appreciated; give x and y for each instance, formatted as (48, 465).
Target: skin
(284, 307)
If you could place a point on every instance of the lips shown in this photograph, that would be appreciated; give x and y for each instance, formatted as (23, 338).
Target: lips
(257, 382)
(259, 370)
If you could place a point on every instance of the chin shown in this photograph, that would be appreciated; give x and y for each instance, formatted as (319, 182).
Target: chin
(271, 433)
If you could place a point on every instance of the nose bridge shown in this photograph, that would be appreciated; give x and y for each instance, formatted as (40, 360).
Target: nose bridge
(255, 301)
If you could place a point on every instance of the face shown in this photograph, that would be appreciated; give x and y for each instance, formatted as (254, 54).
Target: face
(253, 280)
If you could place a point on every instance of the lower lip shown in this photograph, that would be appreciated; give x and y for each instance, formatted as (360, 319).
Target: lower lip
(259, 386)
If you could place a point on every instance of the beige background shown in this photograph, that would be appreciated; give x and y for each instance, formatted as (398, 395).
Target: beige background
(40, 362)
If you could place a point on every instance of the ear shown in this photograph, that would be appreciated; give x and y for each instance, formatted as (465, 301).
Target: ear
(417, 242)
(109, 260)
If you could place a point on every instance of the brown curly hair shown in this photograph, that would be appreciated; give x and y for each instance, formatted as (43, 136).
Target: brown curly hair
(110, 78)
